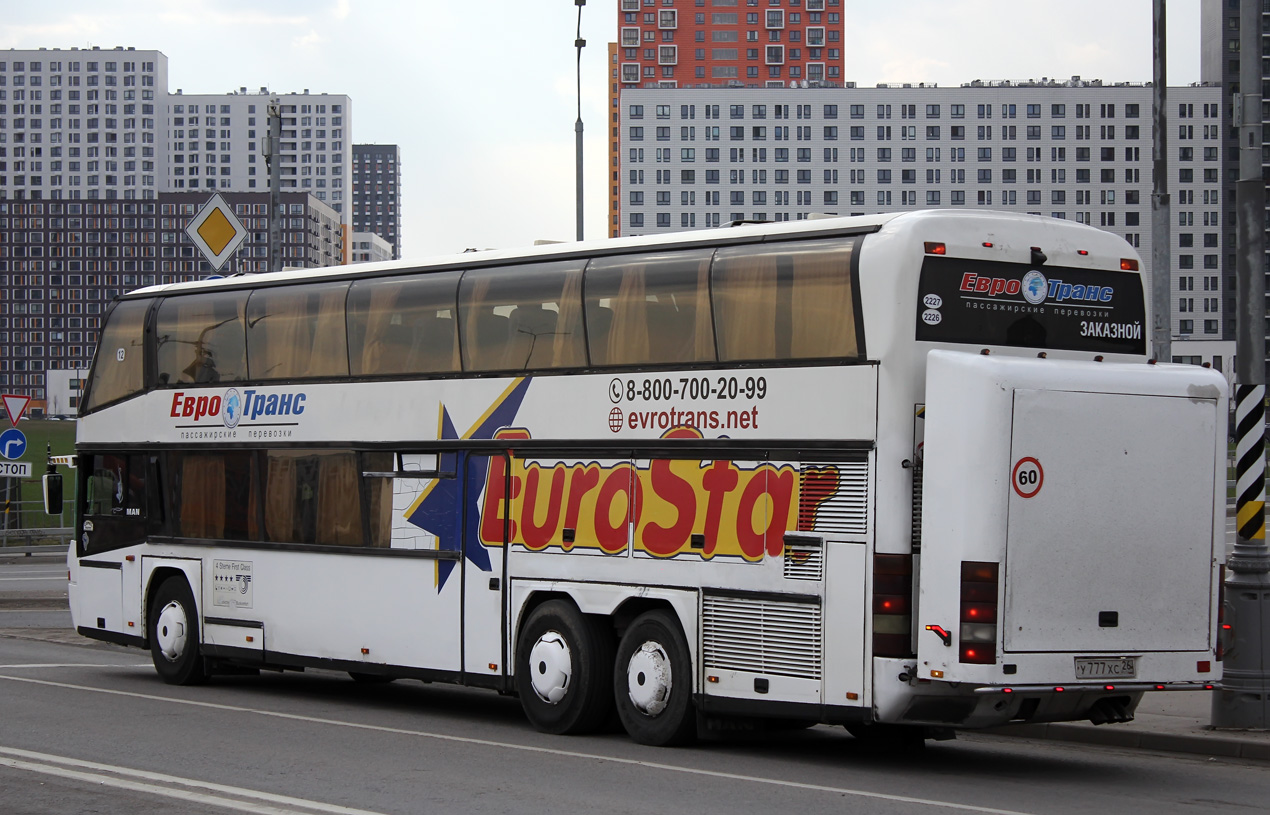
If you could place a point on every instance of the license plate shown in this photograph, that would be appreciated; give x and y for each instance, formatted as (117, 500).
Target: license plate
(1106, 667)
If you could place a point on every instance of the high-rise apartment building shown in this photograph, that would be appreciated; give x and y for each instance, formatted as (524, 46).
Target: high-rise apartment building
(71, 258)
(1219, 65)
(695, 158)
(213, 143)
(377, 192)
(722, 44)
(82, 124)
(368, 247)
(729, 42)
(101, 169)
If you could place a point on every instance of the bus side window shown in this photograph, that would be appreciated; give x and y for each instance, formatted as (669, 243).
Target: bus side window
(403, 325)
(377, 470)
(215, 495)
(118, 371)
(297, 331)
(312, 496)
(201, 339)
(649, 309)
(785, 301)
(522, 318)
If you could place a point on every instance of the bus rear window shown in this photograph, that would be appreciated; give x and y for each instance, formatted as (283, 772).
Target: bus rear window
(983, 302)
(118, 371)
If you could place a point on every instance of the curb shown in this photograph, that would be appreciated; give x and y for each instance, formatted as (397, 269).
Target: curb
(1225, 744)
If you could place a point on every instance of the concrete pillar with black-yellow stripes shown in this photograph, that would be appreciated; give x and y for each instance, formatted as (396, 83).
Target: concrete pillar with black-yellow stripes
(1244, 698)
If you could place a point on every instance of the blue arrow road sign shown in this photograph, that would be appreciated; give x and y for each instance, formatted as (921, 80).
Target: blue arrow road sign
(12, 443)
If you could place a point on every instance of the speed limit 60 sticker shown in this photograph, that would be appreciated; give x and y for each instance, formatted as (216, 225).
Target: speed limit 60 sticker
(1028, 476)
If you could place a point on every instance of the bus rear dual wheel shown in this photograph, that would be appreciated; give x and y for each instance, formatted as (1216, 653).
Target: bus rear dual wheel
(564, 669)
(569, 680)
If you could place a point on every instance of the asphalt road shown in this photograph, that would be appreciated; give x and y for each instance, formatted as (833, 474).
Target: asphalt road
(88, 727)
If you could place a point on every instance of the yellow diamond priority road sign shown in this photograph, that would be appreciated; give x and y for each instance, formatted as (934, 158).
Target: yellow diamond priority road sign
(216, 232)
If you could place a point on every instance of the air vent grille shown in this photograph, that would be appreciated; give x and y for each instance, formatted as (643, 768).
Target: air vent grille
(834, 497)
(762, 636)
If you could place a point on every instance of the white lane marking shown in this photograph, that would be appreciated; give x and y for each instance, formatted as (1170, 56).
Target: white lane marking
(140, 781)
(777, 782)
(77, 665)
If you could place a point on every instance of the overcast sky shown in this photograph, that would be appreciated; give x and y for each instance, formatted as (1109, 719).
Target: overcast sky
(482, 97)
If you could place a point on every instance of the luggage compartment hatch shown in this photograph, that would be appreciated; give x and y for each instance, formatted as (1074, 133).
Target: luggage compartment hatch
(1109, 531)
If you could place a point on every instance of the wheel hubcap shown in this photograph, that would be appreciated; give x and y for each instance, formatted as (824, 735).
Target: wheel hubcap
(648, 678)
(170, 631)
(550, 667)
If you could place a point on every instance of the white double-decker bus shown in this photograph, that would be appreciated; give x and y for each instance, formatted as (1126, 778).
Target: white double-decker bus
(906, 473)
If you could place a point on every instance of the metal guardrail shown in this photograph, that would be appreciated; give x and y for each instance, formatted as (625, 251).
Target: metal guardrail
(6, 551)
(27, 541)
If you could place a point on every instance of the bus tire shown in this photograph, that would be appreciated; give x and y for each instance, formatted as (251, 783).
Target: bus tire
(564, 670)
(174, 638)
(652, 682)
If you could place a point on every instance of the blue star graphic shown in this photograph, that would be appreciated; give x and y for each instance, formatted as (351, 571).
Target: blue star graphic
(450, 501)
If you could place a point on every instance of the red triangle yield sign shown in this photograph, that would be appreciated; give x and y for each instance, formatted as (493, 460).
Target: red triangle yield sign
(15, 406)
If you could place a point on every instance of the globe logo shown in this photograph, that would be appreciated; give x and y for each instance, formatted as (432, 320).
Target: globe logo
(615, 420)
(233, 411)
(1034, 287)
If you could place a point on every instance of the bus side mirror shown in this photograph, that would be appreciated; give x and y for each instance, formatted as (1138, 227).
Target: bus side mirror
(53, 493)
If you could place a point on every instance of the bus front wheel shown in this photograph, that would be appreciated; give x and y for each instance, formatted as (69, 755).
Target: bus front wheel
(174, 640)
(564, 669)
(653, 682)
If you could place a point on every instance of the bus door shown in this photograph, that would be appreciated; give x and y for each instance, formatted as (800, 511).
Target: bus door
(120, 509)
(485, 517)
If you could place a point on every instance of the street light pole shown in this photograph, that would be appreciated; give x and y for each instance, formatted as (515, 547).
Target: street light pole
(579, 43)
(1161, 278)
(1244, 700)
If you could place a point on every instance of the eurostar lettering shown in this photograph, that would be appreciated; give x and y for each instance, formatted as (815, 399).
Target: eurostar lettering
(1058, 291)
(738, 512)
(255, 405)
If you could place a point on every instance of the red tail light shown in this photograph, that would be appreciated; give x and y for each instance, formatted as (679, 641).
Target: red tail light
(1128, 265)
(979, 584)
(936, 248)
(892, 603)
